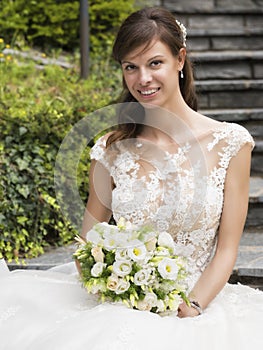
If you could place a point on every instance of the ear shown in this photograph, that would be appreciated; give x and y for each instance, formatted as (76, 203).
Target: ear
(181, 58)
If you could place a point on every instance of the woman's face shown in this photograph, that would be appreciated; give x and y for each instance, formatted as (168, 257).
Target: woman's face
(152, 75)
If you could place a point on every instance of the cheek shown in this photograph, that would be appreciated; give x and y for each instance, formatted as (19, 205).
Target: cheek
(128, 81)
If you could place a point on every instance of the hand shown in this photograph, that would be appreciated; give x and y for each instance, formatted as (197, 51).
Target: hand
(186, 311)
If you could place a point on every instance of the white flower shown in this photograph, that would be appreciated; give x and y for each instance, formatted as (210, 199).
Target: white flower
(97, 269)
(138, 251)
(99, 287)
(94, 237)
(106, 229)
(142, 277)
(143, 305)
(151, 299)
(174, 302)
(110, 242)
(166, 240)
(112, 282)
(151, 243)
(168, 269)
(122, 286)
(97, 254)
(121, 254)
(160, 305)
(162, 252)
(122, 267)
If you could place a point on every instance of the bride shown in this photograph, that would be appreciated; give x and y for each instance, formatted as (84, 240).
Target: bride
(167, 165)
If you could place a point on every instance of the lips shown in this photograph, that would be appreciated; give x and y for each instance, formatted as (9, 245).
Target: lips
(148, 92)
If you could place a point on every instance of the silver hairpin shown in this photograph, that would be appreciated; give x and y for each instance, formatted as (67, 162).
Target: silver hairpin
(183, 30)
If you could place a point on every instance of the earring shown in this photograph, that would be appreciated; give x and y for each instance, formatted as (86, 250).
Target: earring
(182, 74)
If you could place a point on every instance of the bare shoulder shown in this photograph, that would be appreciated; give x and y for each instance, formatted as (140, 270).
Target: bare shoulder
(204, 123)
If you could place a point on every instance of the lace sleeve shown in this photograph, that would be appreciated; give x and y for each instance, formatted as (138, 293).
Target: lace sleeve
(99, 152)
(239, 136)
(229, 140)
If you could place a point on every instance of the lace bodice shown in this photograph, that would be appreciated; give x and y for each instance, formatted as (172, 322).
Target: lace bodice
(179, 191)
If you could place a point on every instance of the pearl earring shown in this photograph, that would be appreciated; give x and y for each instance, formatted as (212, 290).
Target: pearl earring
(182, 74)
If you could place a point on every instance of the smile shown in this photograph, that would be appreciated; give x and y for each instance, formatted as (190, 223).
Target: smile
(149, 92)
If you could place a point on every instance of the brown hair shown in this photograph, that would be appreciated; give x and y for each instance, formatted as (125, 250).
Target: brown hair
(141, 28)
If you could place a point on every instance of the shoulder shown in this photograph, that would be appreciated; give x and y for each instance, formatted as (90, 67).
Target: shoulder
(232, 135)
(237, 136)
(99, 151)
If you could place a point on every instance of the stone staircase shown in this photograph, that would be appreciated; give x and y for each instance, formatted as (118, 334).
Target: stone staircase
(225, 42)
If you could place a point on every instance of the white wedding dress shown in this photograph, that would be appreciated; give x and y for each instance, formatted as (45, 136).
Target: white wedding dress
(180, 191)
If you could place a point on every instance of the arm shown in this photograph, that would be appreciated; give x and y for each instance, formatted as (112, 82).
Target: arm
(99, 201)
(217, 273)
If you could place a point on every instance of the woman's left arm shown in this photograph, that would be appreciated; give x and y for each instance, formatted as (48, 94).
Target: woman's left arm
(234, 213)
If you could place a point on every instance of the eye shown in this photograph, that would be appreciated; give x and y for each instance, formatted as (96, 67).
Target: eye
(130, 67)
(156, 63)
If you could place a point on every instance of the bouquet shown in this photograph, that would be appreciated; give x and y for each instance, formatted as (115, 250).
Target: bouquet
(134, 265)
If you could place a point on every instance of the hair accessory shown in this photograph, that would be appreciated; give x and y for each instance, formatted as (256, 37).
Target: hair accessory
(182, 74)
(194, 304)
(183, 30)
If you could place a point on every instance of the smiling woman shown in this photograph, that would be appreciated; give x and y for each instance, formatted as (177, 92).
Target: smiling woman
(152, 75)
(178, 173)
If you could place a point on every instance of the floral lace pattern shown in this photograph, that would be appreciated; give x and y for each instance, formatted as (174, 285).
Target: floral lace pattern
(181, 192)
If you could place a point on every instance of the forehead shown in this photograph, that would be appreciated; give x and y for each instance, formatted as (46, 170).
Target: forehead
(147, 51)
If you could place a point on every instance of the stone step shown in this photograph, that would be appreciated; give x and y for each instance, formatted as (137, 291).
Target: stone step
(224, 39)
(249, 265)
(226, 94)
(211, 6)
(255, 208)
(238, 115)
(238, 64)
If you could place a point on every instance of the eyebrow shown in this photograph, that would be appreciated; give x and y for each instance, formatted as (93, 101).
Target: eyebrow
(150, 59)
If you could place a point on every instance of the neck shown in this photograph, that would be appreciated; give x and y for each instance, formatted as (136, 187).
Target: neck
(166, 126)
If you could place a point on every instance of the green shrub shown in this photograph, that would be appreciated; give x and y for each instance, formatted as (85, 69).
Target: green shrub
(37, 109)
(49, 23)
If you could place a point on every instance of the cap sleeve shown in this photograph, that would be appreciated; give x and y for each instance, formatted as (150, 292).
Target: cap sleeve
(232, 138)
(99, 152)
(238, 137)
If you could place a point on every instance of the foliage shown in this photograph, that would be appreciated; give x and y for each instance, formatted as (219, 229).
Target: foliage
(48, 23)
(37, 108)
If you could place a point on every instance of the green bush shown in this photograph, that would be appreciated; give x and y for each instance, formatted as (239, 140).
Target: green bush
(49, 23)
(37, 109)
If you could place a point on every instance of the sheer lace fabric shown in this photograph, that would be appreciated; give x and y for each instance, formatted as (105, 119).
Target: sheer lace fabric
(179, 191)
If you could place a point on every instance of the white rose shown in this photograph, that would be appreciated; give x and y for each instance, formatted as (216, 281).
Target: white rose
(122, 286)
(168, 269)
(143, 305)
(97, 254)
(142, 277)
(97, 269)
(166, 240)
(151, 299)
(122, 267)
(112, 282)
(138, 251)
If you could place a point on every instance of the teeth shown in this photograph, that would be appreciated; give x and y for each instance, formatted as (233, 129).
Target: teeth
(148, 92)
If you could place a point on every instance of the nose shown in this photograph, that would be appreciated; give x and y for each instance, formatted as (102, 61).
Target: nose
(145, 77)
